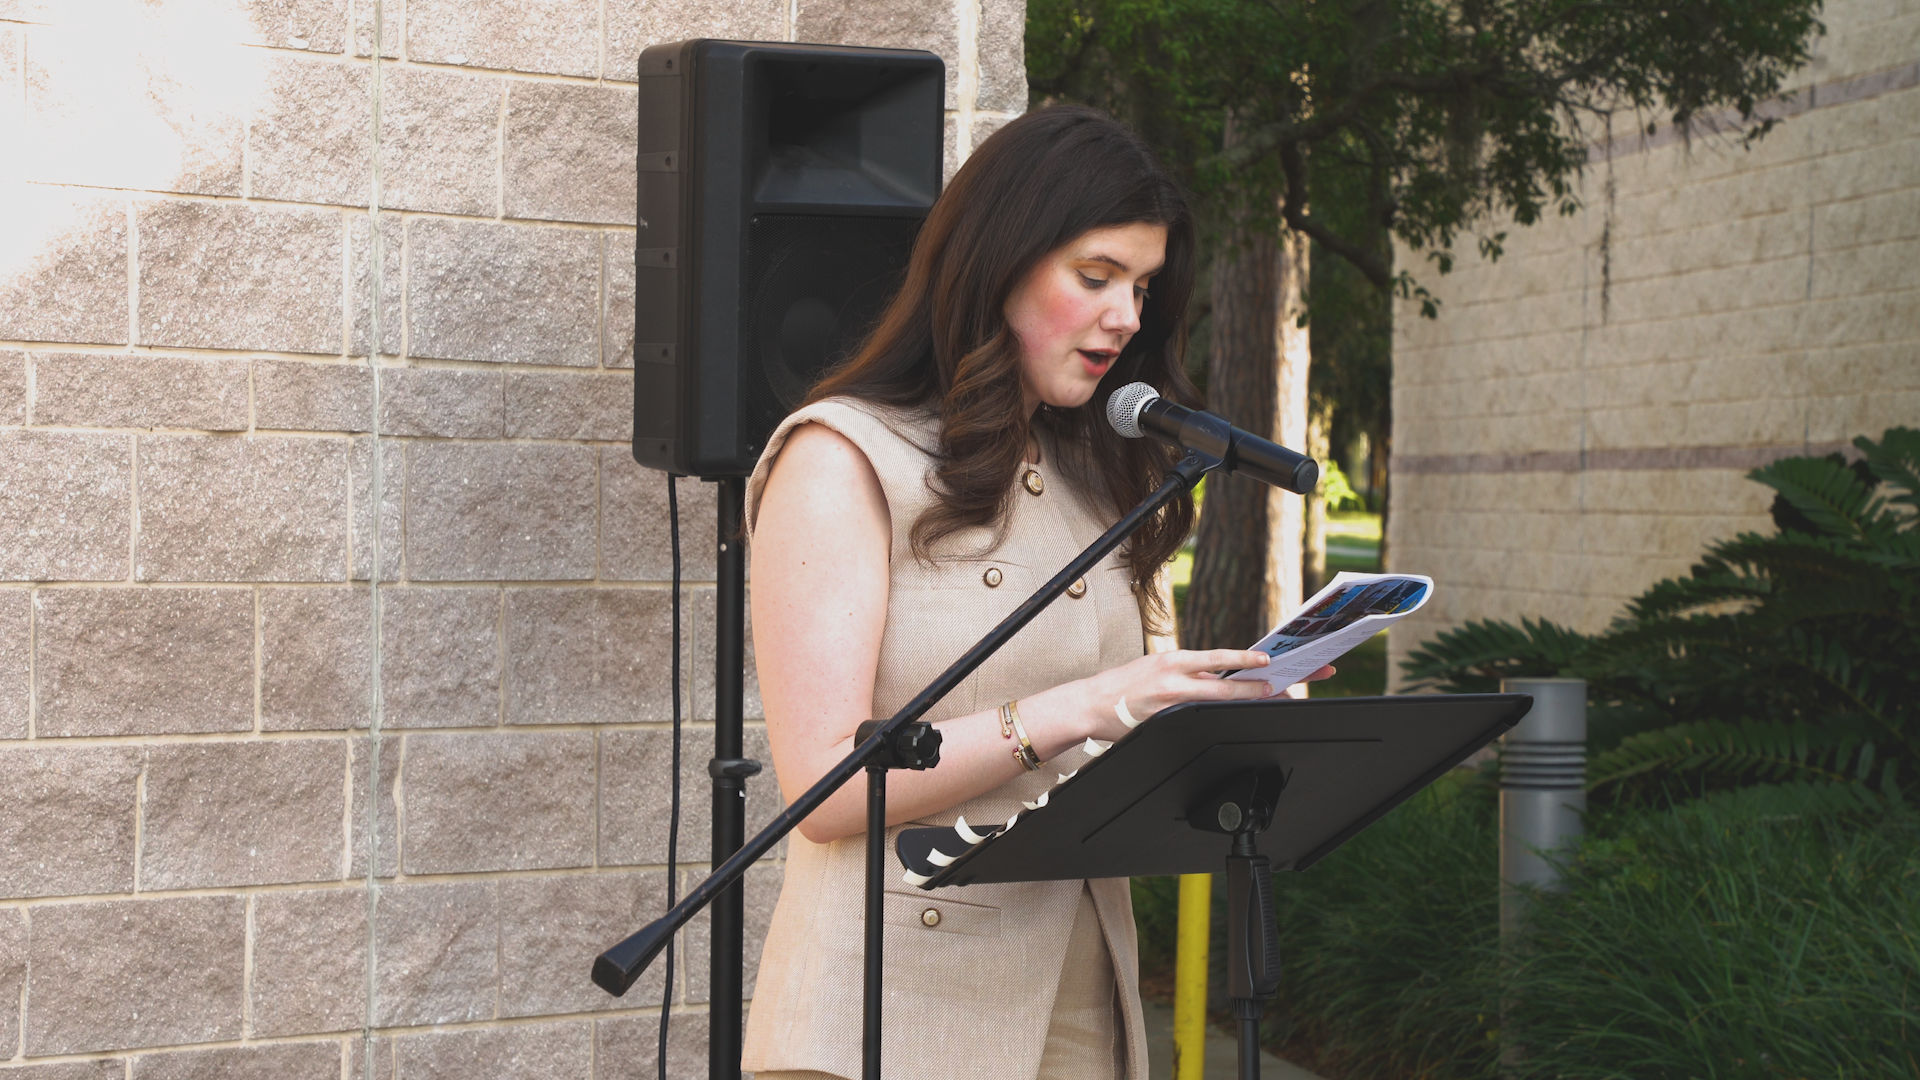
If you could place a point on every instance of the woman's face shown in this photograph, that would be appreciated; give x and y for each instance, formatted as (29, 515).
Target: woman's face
(1079, 307)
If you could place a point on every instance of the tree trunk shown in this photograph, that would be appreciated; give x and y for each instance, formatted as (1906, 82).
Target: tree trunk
(1245, 569)
(1314, 573)
(1287, 512)
(1226, 606)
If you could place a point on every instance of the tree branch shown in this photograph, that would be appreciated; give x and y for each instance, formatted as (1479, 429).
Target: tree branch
(1293, 210)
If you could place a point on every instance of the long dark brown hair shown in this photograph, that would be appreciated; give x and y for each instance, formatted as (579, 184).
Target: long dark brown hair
(943, 344)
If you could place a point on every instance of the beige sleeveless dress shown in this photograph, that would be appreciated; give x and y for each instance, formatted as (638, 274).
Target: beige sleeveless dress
(990, 991)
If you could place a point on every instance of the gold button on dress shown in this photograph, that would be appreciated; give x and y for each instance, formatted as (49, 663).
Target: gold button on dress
(1035, 484)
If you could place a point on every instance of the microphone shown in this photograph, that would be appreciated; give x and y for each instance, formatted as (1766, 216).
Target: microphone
(1137, 409)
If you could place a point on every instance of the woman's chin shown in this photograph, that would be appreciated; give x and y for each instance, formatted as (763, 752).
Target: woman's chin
(1071, 397)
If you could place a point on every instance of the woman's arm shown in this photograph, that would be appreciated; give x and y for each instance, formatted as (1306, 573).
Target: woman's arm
(821, 544)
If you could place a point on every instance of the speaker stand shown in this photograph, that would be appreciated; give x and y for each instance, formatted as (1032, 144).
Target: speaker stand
(729, 770)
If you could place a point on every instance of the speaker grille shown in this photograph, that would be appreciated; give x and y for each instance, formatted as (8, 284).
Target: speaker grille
(817, 284)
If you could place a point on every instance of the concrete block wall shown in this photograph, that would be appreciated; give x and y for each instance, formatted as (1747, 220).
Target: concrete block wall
(316, 315)
(1578, 422)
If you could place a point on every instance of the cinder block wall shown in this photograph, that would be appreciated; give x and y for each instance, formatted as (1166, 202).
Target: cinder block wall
(1578, 422)
(211, 213)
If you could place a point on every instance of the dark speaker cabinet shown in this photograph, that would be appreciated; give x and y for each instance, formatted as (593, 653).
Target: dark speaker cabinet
(780, 189)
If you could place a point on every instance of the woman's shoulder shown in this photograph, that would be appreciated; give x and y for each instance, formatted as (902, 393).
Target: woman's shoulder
(856, 418)
(896, 442)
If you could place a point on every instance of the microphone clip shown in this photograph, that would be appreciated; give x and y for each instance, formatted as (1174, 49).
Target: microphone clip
(1193, 465)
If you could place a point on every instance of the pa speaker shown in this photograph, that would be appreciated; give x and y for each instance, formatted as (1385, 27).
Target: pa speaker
(781, 187)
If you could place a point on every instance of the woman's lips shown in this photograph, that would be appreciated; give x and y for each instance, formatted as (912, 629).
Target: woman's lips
(1097, 363)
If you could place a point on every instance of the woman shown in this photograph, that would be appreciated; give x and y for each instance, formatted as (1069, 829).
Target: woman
(930, 485)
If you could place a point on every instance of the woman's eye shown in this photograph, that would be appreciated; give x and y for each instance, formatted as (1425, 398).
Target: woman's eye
(1093, 282)
(1140, 292)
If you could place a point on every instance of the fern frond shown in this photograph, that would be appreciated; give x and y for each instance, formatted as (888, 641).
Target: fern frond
(1895, 459)
(1713, 586)
(1630, 642)
(1747, 750)
(1793, 555)
(1828, 493)
(1475, 656)
(1799, 800)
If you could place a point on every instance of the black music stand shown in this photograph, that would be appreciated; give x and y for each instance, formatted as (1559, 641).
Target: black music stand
(1189, 790)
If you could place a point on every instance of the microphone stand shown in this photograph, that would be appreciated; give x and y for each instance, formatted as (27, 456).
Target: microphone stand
(902, 741)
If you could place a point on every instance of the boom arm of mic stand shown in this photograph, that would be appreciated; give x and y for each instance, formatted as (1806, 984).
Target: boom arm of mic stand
(616, 969)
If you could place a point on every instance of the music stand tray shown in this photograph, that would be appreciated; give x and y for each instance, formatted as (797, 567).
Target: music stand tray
(1189, 790)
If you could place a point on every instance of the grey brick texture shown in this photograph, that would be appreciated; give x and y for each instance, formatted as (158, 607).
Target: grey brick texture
(74, 288)
(16, 666)
(446, 404)
(492, 512)
(497, 801)
(548, 923)
(220, 276)
(440, 666)
(143, 661)
(253, 813)
(588, 656)
(439, 141)
(13, 387)
(559, 1051)
(75, 390)
(129, 973)
(309, 962)
(13, 971)
(437, 949)
(66, 506)
(293, 395)
(310, 142)
(288, 1061)
(67, 819)
(557, 134)
(288, 745)
(262, 509)
(521, 294)
(316, 664)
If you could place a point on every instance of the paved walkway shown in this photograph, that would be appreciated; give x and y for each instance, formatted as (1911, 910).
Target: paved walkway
(1223, 1053)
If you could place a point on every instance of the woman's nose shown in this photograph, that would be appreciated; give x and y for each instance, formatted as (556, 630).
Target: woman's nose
(1122, 316)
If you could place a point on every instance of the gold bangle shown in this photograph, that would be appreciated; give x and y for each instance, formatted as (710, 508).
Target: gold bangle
(1006, 723)
(1025, 754)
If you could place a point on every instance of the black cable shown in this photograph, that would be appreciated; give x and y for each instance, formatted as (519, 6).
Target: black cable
(673, 821)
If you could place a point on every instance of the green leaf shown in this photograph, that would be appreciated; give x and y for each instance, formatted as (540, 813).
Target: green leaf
(1895, 459)
(1798, 800)
(1828, 493)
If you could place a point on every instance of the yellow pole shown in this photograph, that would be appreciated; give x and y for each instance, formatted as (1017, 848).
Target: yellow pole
(1190, 978)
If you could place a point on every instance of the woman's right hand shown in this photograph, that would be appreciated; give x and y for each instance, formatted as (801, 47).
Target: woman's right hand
(1161, 680)
(1086, 707)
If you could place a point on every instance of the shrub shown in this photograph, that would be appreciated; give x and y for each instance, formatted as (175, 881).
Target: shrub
(1389, 944)
(1709, 943)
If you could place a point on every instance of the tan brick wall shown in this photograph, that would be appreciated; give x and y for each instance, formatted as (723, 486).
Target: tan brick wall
(1577, 423)
(213, 211)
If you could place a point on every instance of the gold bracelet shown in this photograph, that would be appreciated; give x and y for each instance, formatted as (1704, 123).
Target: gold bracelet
(1025, 754)
(1006, 722)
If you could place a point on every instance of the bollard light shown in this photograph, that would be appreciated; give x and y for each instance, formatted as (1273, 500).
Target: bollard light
(1543, 786)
